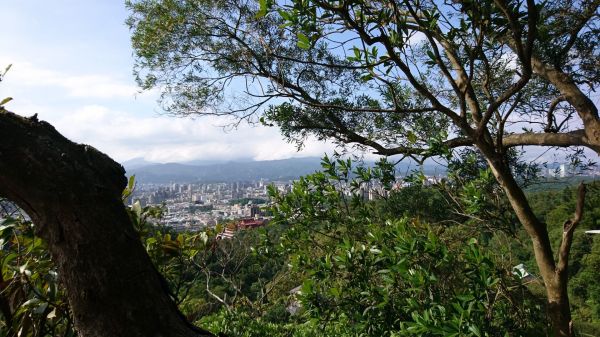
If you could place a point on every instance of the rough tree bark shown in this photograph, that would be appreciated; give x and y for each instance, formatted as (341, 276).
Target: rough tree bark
(73, 194)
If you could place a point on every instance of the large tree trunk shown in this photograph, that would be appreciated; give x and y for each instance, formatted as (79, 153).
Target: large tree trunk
(554, 274)
(73, 194)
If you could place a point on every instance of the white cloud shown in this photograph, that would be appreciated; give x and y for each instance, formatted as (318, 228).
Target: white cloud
(77, 77)
(512, 61)
(167, 139)
(82, 107)
(415, 38)
(25, 74)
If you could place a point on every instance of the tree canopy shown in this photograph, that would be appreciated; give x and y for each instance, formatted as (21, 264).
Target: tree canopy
(412, 78)
(408, 77)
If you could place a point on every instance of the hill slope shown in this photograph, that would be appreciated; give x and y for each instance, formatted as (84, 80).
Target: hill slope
(284, 169)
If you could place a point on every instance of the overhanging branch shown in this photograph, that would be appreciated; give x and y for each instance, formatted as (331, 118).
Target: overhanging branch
(407, 150)
(573, 138)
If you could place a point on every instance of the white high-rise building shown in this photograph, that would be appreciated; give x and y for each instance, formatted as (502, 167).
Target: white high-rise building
(563, 170)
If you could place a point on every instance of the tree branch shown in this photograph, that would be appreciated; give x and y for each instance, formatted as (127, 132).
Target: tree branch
(585, 107)
(573, 138)
(550, 115)
(567, 237)
(451, 144)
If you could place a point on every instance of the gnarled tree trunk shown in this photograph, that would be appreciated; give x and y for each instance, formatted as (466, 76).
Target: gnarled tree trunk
(554, 273)
(73, 194)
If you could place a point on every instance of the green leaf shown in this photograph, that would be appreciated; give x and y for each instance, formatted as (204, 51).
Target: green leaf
(130, 187)
(263, 6)
(6, 100)
(285, 15)
(303, 41)
(7, 259)
(475, 330)
(137, 209)
(412, 137)
(6, 224)
(203, 237)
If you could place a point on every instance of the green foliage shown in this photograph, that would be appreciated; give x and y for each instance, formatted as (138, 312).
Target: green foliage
(32, 302)
(240, 323)
(478, 197)
(361, 73)
(399, 277)
(554, 207)
(129, 188)
(402, 280)
(427, 203)
(5, 100)
(385, 267)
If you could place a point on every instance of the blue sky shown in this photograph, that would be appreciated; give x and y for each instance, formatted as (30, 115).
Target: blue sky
(72, 65)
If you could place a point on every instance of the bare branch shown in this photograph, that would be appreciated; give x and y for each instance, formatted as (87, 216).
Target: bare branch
(550, 116)
(586, 109)
(567, 237)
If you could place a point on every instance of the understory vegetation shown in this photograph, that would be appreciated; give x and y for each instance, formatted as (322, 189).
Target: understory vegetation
(417, 260)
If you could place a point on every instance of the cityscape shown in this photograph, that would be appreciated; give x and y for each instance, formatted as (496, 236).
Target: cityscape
(195, 206)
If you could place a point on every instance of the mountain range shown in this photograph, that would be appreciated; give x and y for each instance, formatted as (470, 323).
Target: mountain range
(242, 170)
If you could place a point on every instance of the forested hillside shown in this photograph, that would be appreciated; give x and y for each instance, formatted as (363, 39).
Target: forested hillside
(550, 206)
(408, 263)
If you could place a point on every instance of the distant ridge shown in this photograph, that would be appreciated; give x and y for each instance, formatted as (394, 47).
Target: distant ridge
(135, 163)
(284, 169)
(225, 172)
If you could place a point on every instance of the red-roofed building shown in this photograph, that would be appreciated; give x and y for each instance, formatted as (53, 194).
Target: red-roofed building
(251, 223)
(229, 230)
